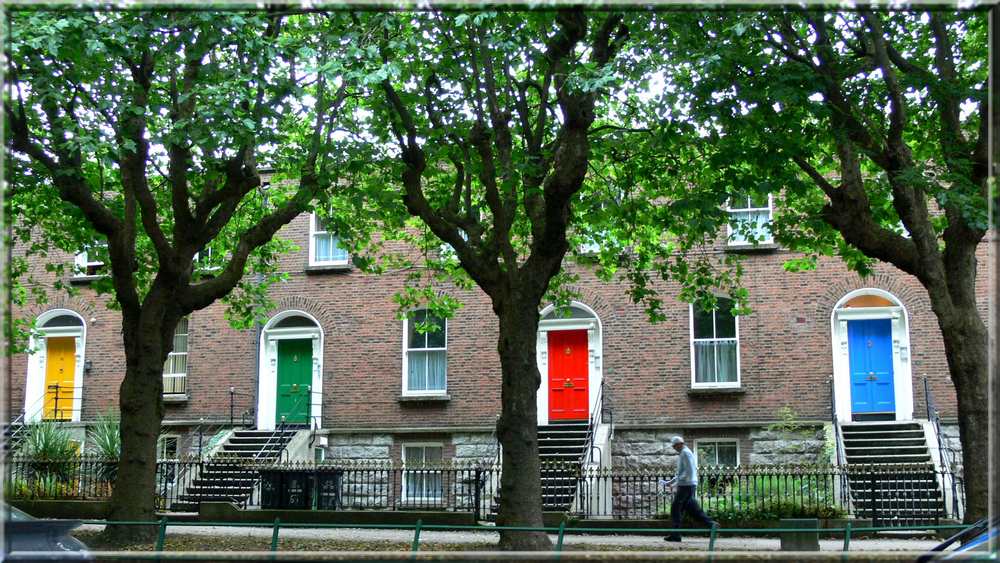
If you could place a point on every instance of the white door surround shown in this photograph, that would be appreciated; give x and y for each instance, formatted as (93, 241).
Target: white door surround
(586, 319)
(267, 376)
(902, 376)
(34, 388)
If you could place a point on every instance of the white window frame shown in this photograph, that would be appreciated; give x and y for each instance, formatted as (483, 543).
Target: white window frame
(730, 211)
(207, 251)
(404, 498)
(174, 353)
(713, 384)
(406, 361)
(446, 250)
(177, 454)
(82, 262)
(700, 441)
(314, 232)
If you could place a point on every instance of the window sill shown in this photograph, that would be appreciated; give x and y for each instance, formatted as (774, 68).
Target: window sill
(175, 398)
(763, 248)
(84, 280)
(442, 398)
(715, 391)
(328, 268)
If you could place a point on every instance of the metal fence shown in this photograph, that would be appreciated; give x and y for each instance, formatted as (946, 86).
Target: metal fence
(889, 494)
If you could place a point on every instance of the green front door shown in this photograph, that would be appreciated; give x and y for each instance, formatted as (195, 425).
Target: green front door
(294, 380)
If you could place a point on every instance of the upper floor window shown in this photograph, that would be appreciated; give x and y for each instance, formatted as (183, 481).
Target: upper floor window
(204, 261)
(425, 362)
(175, 368)
(325, 248)
(715, 349)
(90, 260)
(717, 452)
(749, 219)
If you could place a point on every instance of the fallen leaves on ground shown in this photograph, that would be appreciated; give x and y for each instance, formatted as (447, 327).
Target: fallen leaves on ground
(196, 542)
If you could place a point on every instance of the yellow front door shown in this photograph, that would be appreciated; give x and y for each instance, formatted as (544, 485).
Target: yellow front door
(60, 371)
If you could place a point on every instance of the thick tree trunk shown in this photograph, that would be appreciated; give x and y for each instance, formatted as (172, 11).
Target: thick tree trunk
(965, 341)
(141, 403)
(520, 482)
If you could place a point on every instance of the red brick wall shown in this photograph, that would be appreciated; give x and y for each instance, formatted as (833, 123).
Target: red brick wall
(785, 349)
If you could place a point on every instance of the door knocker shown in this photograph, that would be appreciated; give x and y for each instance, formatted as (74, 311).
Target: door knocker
(569, 351)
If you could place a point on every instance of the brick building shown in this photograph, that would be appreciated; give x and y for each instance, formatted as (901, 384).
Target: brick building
(334, 358)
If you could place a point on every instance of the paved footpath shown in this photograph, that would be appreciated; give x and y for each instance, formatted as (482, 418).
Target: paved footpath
(646, 542)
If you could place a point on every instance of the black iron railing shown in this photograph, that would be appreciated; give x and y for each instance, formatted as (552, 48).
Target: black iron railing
(946, 457)
(596, 419)
(887, 494)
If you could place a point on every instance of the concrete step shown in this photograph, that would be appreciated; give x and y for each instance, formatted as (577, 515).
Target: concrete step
(884, 441)
(887, 458)
(221, 481)
(880, 426)
(886, 450)
(212, 498)
(265, 434)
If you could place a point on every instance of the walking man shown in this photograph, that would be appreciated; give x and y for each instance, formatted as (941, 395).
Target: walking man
(686, 482)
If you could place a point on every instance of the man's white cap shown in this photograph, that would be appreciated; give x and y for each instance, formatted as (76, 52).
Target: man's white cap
(676, 440)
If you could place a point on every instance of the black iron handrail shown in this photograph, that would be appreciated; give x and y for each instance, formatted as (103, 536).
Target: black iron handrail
(945, 453)
(279, 431)
(838, 443)
(232, 404)
(596, 418)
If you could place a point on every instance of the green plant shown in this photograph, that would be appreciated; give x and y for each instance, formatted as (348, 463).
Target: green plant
(768, 497)
(105, 441)
(47, 441)
(104, 437)
(49, 452)
(788, 422)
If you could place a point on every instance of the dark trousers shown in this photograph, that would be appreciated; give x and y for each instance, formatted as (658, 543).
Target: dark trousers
(684, 501)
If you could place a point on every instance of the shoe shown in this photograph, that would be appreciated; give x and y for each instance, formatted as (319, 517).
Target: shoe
(672, 538)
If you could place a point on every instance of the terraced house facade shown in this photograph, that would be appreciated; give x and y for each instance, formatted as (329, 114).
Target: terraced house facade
(851, 362)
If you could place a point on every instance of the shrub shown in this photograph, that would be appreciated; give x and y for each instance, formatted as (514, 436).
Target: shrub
(767, 497)
(105, 436)
(47, 441)
(105, 440)
(49, 451)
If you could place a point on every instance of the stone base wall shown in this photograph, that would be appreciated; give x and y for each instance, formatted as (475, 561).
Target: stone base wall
(474, 447)
(359, 447)
(807, 446)
(643, 448)
(757, 446)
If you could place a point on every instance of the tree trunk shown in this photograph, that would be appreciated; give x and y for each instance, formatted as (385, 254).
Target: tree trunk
(141, 403)
(520, 482)
(965, 342)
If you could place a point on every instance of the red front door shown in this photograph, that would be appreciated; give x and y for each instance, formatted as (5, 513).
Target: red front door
(568, 375)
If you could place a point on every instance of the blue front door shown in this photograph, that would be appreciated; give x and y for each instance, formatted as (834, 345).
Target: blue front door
(870, 346)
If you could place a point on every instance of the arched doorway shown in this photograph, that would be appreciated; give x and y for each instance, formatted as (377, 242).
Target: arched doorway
(569, 360)
(871, 357)
(54, 386)
(290, 387)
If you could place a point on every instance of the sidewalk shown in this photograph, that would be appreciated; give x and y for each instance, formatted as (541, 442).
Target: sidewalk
(615, 542)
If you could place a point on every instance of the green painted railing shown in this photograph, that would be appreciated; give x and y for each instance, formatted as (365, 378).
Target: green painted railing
(848, 531)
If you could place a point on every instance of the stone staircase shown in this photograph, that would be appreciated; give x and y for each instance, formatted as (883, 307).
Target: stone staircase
(226, 476)
(891, 476)
(561, 447)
